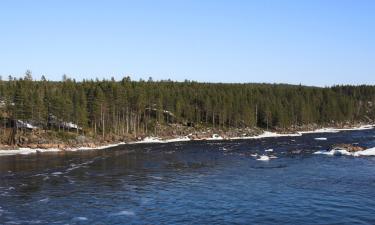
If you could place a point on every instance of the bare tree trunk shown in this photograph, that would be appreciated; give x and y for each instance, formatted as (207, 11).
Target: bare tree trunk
(256, 115)
(102, 116)
(213, 119)
(127, 120)
(145, 121)
(124, 120)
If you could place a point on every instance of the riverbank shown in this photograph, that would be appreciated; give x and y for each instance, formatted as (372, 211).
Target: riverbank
(198, 135)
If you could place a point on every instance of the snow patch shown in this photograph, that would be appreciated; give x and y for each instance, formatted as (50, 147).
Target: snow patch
(95, 148)
(23, 124)
(179, 139)
(335, 130)
(26, 151)
(267, 134)
(159, 140)
(215, 137)
(367, 152)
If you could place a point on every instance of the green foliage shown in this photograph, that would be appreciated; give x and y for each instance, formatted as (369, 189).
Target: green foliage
(129, 107)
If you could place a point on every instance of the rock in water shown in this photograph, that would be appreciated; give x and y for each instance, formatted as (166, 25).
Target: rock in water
(347, 147)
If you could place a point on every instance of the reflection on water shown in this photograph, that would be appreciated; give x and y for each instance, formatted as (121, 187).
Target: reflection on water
(196, 182)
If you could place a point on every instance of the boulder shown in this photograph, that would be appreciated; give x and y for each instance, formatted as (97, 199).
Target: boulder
(348, 147)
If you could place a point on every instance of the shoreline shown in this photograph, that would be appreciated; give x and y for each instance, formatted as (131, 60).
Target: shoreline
(150, 140)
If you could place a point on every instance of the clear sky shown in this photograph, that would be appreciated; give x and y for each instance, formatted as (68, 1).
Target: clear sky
(316, 42)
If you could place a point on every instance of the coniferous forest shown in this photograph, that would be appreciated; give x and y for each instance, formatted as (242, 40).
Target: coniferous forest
(103, 107)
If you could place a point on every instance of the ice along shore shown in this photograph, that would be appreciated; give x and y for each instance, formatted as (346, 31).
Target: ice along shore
(265, 134)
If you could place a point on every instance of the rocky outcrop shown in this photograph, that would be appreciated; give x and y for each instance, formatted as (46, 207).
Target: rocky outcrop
(347, 147)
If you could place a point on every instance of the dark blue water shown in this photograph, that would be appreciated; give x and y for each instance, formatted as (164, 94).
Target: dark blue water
(193, 183)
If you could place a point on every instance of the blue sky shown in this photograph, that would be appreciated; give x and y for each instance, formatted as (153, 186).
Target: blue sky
(316, 42)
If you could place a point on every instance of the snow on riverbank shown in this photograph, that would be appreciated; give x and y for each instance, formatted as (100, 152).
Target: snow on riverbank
(96, 148)
(266, 134)
(26, 151)
(146, 140)
(335, 130)
(215, 137)
(149, 140)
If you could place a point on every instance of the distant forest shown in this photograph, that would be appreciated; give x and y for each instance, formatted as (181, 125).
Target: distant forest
(130, 107)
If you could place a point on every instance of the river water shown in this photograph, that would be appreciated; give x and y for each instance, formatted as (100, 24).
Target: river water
(213, 182)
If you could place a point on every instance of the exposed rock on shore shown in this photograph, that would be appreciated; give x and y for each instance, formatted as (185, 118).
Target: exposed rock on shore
(347, 147)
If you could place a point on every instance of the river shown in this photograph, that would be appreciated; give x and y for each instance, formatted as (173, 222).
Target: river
(197, 182)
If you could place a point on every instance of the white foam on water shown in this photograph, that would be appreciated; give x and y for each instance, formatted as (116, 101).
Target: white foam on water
(81, 218)
(320, 139)
(74, 166)
(335, 152)
(56, 173)
(269, 150)
(264, 158)
(44, 200)
(156, 178)
(124, 213)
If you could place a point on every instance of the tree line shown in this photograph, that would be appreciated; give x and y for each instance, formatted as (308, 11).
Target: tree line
(132, 107)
